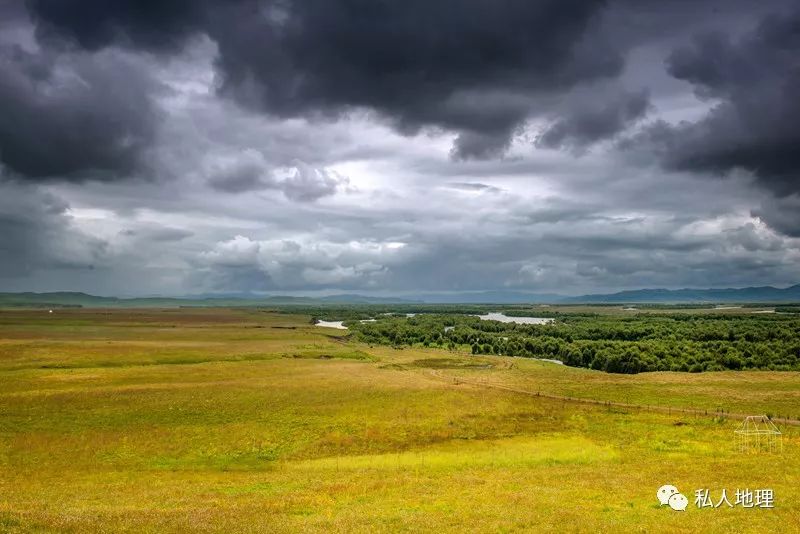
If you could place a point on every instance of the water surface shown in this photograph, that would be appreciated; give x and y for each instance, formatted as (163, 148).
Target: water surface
(331, 324)
(495, 316)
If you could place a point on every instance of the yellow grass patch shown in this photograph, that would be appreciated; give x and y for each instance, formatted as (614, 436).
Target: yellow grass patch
(244, 421)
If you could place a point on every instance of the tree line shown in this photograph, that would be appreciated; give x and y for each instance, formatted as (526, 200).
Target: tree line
(615, 344)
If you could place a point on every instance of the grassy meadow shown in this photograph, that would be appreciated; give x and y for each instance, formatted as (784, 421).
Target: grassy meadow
(244, 420)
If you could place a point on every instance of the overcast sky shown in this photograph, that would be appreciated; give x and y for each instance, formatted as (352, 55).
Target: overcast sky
(396, 147)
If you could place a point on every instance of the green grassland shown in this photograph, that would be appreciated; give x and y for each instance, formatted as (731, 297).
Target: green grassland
(218, 420)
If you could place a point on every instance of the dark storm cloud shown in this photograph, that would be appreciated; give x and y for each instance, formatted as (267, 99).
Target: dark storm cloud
(469, 67)
(372, 96)
(462, 65)
(586, 123)
(482, 145)
(72, 116)
(754, 124)
(11, 13)
(418, 63)
(35, 233)
(94, 24)
(782, 214)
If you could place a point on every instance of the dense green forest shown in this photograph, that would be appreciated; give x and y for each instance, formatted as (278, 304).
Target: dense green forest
(612, 343)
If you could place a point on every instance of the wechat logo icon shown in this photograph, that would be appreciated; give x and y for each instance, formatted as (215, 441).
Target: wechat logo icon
(670, 495)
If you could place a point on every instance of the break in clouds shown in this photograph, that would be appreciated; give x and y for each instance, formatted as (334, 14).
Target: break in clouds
(308, 146)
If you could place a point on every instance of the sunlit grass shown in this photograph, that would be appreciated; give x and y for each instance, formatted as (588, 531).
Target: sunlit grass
(508, 453)
(229, 421)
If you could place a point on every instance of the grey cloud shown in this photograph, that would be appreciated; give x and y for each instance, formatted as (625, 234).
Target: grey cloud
(291, 265)
(241, 182)
(73, 116)
(750, 239)
(588, 122)
(249, 171)
(473, 186)
(371, 105)
(419, 64)
(230, 279)
(308, 184)
(36, 233)
(480, 145)
(157, 234)
(783, 214)
(487, 241)
(754, 123)
(94, 24)
(245, 172)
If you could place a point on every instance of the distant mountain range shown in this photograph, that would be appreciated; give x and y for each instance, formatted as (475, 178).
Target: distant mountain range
(665, 296)
(743, 295)
(75, 299)
(488, 297)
